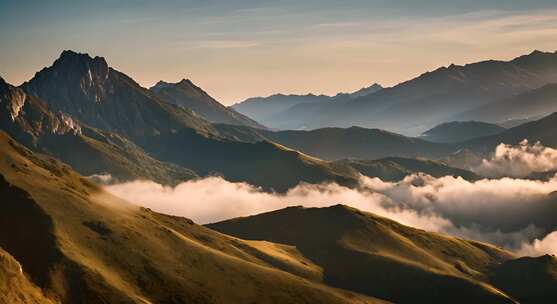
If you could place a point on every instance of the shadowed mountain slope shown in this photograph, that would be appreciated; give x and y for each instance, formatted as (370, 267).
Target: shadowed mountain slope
(89, 151)
(264, 163)
(395, 169)
(15, 287)
(459, 131)
(190, 96)
(542, 130)
(82, 245)
(534, 103)
(355, 142)
(539, 273)
(376, 256)
(92, 93)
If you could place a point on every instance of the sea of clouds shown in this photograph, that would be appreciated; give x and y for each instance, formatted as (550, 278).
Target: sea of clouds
(519, 214)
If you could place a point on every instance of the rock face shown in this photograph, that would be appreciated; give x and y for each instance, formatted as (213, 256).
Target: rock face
(26, 114)
(88, 89)
(188, 95)
(90, 151)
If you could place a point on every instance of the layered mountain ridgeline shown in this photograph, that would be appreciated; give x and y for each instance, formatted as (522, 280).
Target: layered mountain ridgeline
(527, 105)
(416, 105)
(542, 130)
(282, 111)
(90, 151)
(80, 244)
(265, 108)
(94, 94)
(356, 142)
(459, 131)
(395, 169)
(376, 256)
(190, 96)
(265, 164)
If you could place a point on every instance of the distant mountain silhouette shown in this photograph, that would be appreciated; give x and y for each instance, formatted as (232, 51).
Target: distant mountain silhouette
(542, 130)
(527, 105)
(414, 106)
(185, 93)
(283, 111)
(458, 131)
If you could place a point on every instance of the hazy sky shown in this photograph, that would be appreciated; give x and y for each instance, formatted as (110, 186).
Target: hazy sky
(240, 48)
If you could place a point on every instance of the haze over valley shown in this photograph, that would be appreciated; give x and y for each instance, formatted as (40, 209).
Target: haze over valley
(278, 152)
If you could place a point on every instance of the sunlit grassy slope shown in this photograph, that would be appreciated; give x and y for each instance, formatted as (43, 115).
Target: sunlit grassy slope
(379, 257)
(82, 245)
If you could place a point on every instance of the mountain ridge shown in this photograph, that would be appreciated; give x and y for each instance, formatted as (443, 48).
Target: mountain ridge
(185, 93)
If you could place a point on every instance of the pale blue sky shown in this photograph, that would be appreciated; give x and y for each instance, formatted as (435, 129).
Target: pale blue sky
(241, 48)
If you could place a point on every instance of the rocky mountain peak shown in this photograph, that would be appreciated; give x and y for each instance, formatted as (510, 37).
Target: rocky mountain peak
(11, 98)
(74, 70)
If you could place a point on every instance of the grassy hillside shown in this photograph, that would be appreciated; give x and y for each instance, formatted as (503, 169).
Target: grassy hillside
(83, 245)
(379, 257)
(15, 287)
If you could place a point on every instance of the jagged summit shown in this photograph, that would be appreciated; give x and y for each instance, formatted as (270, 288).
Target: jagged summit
(88, 89)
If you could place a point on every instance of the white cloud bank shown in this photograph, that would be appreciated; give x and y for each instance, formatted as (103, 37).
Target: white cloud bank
(518, 161)
(508, 212)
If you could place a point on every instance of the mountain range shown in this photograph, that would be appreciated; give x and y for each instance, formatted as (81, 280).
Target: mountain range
(65, 239)
(116, 110)
(281, 111)
(446, 94)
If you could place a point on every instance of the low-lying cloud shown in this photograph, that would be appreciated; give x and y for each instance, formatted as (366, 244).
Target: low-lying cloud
(508, 212)
(518, 161)
(547, 245)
